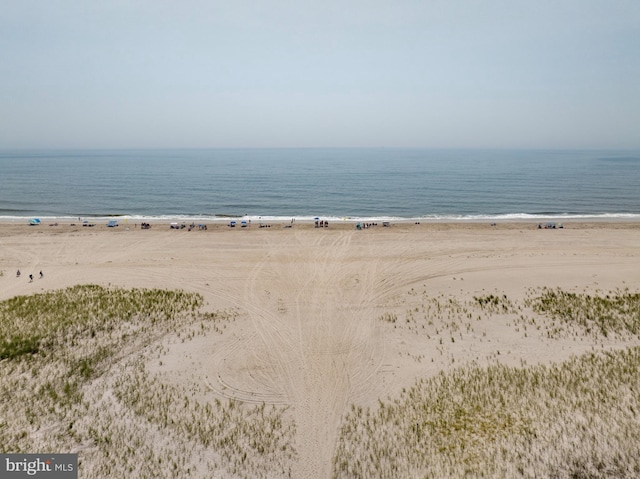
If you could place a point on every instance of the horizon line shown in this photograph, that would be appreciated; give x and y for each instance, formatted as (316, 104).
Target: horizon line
(452, 148)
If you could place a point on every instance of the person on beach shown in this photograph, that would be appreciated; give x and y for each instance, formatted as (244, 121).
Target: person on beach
(18, 274)
(41, 275)
(30, 278)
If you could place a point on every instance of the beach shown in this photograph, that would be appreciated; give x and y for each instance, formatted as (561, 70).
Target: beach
(327, 319)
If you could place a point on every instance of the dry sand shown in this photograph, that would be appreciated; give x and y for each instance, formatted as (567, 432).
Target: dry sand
(309, 333)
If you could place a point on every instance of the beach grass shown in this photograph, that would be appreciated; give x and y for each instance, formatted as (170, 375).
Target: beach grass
(46, 321)
(578, 418)
(73, 378)
(574, 419)
(615, 312)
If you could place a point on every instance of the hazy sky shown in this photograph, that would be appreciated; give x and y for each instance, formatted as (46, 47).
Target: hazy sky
(237, 73)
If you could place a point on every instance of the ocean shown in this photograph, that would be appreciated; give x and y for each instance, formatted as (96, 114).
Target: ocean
(334, 184)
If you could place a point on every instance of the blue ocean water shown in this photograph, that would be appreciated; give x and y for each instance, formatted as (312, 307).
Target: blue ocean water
(329, 183)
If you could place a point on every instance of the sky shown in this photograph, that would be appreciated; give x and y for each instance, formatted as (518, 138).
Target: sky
(326, 73)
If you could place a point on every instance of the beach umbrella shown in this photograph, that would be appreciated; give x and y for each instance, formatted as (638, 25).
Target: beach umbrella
(34, 221)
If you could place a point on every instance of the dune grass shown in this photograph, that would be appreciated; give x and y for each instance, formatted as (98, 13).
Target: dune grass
(575, 419)
(615, 312)
(73, 378)
(53, 319)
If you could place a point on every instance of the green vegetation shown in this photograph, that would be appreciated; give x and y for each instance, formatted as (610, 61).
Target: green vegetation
(50, 320)
(253, 440)
(554, 313)
(616, 312)
(389, 317)
(576, 419)
(497, 304)
(74, 377)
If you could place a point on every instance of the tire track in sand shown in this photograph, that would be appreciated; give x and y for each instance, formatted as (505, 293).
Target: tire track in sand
(317, 344)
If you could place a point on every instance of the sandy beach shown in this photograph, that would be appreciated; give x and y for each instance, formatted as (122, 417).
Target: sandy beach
(326, 319)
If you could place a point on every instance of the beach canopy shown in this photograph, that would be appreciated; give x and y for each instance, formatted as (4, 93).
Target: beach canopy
(112, 223)
(34, 221)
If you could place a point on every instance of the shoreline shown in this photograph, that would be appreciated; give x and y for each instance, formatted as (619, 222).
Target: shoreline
(177, 227)
(304, 220)
(224, 219)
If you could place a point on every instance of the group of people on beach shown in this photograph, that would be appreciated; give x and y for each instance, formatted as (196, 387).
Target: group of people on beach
(368, 225)
(18, 274)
